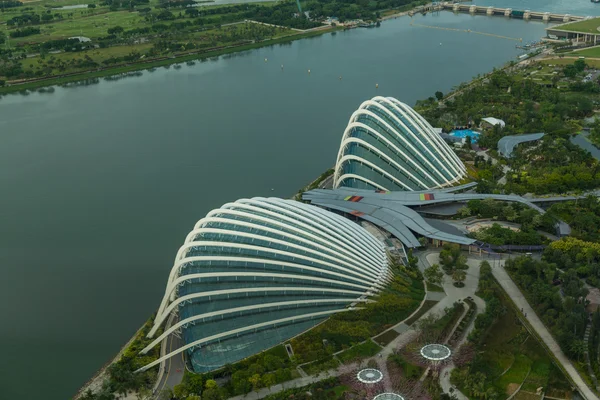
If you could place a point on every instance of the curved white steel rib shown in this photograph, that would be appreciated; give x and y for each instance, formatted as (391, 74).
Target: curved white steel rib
(425, 130)
(161, 317)
(323, 227)
(424, 150)
(318, 213)
(246, 308)
(325, 255)
(348, 139)
(392, 131)
(237, 331)
(426, 127)
(405, 128)
(374, 167)
(376, 185)
(352, 268)
(298, 235)
(368, 275)
(326, 232)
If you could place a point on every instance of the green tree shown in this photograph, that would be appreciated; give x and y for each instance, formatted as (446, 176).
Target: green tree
(269, 380)
(165, 394)
(459, 277)
(439, 95)
(256, 382)
(180, 391)
(239, 381)
(194, 383)
(434, 275)
(212, 394)
(211, 384)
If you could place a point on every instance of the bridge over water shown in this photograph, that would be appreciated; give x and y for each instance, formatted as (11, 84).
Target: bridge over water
(509, 12)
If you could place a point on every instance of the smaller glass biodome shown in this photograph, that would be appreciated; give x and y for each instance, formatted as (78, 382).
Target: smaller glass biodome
(388, 146)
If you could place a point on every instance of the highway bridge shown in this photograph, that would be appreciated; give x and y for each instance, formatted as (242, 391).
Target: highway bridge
(509, 12)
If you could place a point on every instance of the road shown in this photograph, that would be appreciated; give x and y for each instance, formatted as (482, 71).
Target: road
(174, 366)
(517, 297)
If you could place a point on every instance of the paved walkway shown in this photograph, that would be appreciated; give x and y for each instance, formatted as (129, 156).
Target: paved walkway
(517, 297)
(430, 257)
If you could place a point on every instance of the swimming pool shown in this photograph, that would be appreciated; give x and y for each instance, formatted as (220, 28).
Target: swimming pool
(463, 133)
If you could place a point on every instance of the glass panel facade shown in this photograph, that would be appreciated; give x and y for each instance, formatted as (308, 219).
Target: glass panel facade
(236, 295)
(421, 159)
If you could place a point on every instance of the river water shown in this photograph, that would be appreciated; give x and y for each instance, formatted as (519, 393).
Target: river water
(100, 184)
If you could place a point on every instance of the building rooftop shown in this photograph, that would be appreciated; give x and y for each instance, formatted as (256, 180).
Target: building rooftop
(590, 25)
(494, 121)
(392, 210)
(507, 144)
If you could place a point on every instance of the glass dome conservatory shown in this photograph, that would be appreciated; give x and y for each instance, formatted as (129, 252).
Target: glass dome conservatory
(389, 146)
(257, 272)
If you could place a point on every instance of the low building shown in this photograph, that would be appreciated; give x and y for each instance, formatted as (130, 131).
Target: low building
(490, 122)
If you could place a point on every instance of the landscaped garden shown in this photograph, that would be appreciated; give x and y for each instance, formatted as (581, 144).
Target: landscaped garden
(506, 356)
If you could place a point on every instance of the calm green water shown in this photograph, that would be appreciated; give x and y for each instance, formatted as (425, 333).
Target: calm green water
(101, 184)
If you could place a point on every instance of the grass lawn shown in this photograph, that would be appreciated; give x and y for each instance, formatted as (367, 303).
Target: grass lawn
(360, 351)
(508, 382)
(93, 26)
(97, 55)
(565, 61)
(587, 26)
(340, 390)
(593, 52)
(321, 365)
(509, 353)
(426, 307)
(386, 338)
(431, 287)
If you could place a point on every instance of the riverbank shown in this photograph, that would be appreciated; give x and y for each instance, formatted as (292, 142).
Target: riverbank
(124, 68)
(96, 382)
(187, 131)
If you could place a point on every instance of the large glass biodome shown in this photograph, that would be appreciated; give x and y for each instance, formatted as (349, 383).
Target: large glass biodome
(257, 272)
(388, 146)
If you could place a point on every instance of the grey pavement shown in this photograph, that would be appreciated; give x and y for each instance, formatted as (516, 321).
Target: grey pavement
(174, 366)
(436, 296)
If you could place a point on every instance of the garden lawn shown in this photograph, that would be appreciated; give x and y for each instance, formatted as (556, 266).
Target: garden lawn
(593, 52)
(359, 352)
(587, 26)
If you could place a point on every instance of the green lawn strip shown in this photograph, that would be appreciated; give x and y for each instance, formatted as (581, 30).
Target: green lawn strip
(540, 343)
(359, 352)
(593, 52)
(507, 352)
(538, 377)
(152, 63)
(432, 287)
(516, 374)
(587, 26)
(427, 305)
(386, 337)
(321, 365)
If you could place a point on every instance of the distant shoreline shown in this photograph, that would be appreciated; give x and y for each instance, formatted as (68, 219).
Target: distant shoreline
(37, 83)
